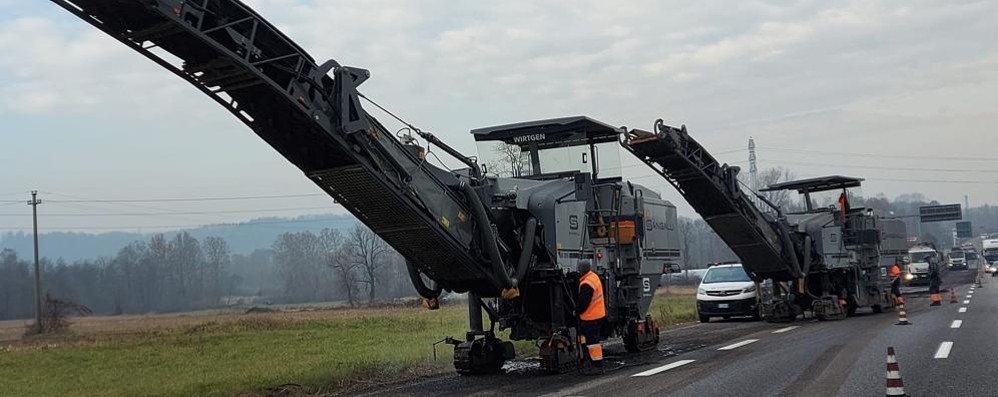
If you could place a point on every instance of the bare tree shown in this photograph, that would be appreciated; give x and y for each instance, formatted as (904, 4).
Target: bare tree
(339, 258)
(783, 199)
(217, 261)
(370, 252)
(508, 161)
(299, 259)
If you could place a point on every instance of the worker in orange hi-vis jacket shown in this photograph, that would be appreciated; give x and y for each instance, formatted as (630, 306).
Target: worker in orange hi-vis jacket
(935, 282)
(592, 311)
(895, 274)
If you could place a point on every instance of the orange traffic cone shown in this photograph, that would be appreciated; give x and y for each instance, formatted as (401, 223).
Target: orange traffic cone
(902, 314)
(952, 296)
(936, 300)
(895, 386)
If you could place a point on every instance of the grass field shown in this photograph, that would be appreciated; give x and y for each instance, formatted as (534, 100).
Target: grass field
(233, 354)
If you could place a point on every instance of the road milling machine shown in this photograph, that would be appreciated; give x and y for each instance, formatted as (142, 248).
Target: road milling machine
(828, 257)
(509, 242)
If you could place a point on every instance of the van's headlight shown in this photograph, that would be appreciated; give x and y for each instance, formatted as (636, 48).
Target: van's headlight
(749, 289)
(701, 291)
(908, 276)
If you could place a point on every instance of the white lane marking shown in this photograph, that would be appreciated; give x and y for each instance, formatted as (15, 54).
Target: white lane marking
(966, 302)
(969, 296)
(739, 344)
(962, 310)
(664, 368)
(970, 292)
(944, 349)
(782, 330)
(956, 324)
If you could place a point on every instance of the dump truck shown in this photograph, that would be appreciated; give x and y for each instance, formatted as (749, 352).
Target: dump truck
(829, 257)
(510, 243)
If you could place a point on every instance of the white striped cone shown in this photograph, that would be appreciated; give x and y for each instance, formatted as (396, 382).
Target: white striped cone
(895, 386)
(902, 316)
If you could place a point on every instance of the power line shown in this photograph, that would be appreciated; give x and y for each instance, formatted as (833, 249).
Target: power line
(168, 213)
(881, 167)
(186, 199)
(933, 181)
(263, 223)
(128, 204)
(877, 155)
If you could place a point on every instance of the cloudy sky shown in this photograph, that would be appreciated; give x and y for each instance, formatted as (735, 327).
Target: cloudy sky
(902, 93)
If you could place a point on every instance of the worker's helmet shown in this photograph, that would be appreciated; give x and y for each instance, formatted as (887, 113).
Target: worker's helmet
(584, 266)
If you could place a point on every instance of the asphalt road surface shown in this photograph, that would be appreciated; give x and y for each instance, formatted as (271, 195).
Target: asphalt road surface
(948, 350)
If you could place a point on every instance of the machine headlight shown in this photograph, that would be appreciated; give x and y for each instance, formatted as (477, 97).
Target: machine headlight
(749, 289)
(701, 291)
(908, 276)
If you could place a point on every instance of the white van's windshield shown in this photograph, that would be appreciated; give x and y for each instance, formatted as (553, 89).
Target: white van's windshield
(920, 257)
(725, 275)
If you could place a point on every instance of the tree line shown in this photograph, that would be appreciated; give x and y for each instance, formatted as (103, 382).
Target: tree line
(183, 273)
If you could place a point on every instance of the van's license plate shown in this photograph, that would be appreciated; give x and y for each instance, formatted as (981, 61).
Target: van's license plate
(722, 305)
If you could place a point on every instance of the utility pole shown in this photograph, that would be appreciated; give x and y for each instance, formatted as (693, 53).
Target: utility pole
(38, 274)
(753, 170)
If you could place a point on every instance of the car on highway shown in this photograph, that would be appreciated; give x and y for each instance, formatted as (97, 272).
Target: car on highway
(957, 259)
(727, 291)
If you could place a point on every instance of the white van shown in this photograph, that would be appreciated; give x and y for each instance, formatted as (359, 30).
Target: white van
(727, 291)
(918, 264)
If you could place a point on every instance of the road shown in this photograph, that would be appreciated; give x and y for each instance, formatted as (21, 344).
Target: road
(946, 351)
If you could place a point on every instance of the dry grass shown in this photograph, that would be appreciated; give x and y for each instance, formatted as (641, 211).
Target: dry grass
(226, 353)
(12, 331)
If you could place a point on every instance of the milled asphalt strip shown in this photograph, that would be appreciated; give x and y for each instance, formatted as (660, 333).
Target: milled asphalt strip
(664, 368)
(782, 330)
(962, 310)
(739, 344)
(956, 324)
(944, 349)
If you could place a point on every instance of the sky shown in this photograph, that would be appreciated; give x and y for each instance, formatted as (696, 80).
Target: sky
(901, 93)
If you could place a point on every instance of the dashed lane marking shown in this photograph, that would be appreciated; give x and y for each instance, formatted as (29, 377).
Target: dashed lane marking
(956, 324)
(664, 368)
(966, 302)
(739, 344)
(782, 330)
(969, 296)
(962, 310)
(944, 349)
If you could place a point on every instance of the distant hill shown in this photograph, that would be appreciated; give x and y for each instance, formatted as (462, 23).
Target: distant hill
(243, 238)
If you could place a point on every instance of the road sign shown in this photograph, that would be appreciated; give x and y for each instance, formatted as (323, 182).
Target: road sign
(940, 213)
(964, 230)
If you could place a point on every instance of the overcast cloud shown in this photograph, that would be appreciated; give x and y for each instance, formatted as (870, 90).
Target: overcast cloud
(82, 115)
